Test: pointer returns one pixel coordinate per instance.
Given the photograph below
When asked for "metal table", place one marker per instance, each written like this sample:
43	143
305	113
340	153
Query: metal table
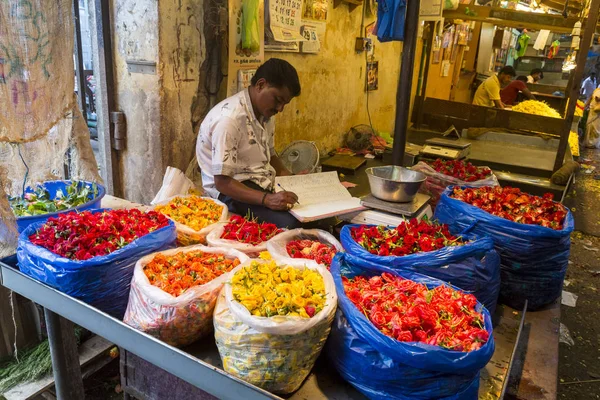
200	364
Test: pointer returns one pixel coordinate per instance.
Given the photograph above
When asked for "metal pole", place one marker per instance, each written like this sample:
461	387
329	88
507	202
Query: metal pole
105	103
65	358
79	60
405	81
584	46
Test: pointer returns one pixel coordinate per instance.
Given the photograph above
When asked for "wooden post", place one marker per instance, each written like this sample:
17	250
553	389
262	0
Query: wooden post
428	34
586	41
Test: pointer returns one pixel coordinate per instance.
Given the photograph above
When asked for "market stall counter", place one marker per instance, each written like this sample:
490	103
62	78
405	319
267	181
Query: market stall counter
200	365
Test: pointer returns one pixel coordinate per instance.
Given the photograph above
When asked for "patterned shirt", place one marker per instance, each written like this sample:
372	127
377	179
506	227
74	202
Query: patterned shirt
234	143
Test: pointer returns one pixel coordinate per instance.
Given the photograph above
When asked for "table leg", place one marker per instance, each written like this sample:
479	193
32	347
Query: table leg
65	357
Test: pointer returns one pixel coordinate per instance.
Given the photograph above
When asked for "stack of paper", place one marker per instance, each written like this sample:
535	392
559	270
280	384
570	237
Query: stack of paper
320	196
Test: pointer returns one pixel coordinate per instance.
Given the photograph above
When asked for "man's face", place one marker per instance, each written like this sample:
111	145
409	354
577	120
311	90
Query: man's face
536	77
505	79
270	100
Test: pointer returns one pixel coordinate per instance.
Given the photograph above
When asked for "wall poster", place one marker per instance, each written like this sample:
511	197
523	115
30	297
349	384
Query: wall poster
372	75
246	39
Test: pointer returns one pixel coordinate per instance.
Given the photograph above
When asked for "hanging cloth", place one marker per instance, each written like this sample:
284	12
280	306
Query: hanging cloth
554	47
391	15
522	43
542	39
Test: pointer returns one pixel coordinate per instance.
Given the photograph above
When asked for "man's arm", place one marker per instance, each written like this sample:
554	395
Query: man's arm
499	104
240	192
528	94
280	169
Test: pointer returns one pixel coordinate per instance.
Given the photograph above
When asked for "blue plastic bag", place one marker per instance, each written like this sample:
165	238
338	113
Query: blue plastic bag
53	187
533	259
102	282
384	368
391	15
473	267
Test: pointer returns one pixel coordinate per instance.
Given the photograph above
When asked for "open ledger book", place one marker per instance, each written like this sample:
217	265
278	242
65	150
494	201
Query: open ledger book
320	196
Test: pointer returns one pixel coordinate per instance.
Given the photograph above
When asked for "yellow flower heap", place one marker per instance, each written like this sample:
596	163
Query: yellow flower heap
537	108
192	211
267	290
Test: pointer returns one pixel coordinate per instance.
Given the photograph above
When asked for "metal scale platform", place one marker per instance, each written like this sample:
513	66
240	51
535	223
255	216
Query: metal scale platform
382	212
446	148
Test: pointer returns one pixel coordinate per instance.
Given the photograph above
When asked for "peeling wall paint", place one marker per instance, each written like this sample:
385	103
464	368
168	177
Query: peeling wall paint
333	97
160	108
135	38
182	52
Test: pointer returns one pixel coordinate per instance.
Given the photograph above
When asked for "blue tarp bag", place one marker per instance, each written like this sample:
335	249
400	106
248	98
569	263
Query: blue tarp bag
533	259
102	282
391	15
384	368
473	267
53	187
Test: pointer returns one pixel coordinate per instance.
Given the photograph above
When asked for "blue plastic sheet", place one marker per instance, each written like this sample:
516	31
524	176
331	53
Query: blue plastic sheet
533	259
384	368
473	267
53	187
391	15
102	282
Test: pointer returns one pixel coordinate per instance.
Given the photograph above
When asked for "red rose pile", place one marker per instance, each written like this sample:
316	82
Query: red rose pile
81	236
409	237
514	205
312	250
249	231
460	169
409	312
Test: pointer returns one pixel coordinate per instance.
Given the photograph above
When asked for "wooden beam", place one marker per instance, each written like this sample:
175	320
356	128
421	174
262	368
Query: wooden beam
589	29
470	116
513	18
560	6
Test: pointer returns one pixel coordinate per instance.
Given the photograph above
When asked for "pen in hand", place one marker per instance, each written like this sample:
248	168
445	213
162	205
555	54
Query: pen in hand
282	188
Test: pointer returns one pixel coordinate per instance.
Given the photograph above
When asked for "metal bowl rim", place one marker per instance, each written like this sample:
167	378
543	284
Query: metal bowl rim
370	173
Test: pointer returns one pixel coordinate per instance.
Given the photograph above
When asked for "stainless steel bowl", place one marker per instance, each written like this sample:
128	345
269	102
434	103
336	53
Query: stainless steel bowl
393	183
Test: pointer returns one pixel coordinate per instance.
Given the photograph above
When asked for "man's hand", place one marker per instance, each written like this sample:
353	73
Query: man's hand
281	201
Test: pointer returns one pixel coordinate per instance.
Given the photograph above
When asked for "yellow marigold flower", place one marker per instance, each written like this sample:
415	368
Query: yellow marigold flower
192	211
267	289
264	255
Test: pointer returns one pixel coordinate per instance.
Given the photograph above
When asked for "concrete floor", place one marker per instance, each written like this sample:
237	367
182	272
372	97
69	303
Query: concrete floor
579	365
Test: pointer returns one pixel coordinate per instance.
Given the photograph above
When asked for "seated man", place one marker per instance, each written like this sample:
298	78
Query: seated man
488	93
235	146
509	94
535	75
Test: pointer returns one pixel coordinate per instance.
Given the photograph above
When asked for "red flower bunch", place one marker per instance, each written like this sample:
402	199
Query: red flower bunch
514	205
409	312
409	237
311	249
460	169
249	231
81	236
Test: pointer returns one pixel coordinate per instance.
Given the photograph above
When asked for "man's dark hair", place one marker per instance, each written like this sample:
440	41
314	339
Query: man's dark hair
508	70
537	71
522	78
592	73
278	73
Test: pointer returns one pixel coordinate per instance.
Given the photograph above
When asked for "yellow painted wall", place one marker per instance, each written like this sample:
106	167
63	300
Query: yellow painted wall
333	96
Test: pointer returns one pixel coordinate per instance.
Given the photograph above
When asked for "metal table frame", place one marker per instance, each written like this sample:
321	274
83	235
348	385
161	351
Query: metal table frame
61	309
211	379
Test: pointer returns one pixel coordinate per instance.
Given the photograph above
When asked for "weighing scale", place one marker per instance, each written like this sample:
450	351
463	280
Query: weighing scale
446	148
388	213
